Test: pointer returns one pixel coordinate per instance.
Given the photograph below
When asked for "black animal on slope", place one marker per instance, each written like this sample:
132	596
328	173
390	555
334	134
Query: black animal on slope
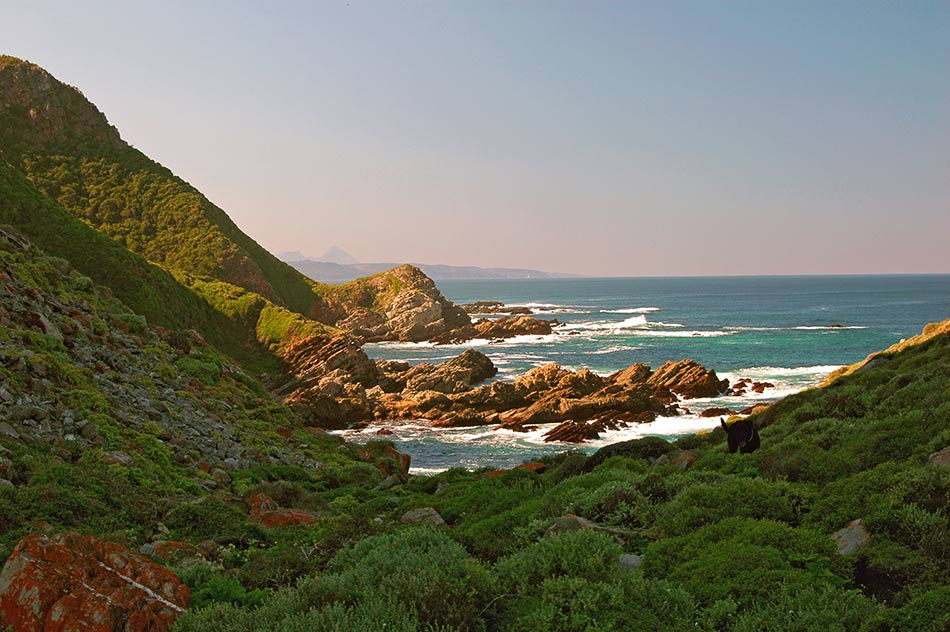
742	436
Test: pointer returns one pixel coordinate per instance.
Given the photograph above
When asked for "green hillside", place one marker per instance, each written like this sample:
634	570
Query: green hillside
238	322
734	542
67	148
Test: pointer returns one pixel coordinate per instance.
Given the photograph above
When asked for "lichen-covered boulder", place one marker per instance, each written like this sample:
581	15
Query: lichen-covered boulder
70	582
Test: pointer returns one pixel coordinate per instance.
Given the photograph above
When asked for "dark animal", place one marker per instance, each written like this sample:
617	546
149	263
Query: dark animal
742	436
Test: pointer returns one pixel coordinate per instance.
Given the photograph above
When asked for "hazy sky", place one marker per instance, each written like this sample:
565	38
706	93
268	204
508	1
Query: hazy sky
634	138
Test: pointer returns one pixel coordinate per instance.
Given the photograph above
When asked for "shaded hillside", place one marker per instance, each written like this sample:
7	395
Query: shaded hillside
67	148
227	315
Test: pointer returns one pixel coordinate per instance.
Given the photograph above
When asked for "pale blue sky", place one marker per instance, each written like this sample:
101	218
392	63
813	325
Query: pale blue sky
638	138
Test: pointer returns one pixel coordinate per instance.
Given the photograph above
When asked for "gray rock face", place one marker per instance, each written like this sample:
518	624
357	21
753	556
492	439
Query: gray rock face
423	515
941	458
630	562
852	538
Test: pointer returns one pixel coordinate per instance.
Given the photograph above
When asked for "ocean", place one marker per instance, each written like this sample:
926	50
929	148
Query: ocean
790	331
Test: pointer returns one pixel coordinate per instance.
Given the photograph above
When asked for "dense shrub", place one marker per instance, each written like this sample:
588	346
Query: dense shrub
745	560
572	581
753	498
805	610
414	578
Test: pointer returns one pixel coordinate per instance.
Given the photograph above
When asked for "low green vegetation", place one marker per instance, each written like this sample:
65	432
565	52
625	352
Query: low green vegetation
735	542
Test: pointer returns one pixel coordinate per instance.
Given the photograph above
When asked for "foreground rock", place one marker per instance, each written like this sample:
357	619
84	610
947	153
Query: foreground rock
75	582
423	515
852	538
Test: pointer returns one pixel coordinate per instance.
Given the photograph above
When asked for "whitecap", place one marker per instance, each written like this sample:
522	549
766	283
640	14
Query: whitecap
819	327
614	349
632	310
680	334
634	321
800	370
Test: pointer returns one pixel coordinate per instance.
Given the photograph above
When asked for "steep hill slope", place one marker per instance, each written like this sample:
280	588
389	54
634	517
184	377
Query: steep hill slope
238	322
68	149
71	155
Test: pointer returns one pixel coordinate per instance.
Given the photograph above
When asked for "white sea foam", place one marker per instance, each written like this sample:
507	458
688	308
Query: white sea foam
819	327
631	310
680	334
799	327
633	321
777	371
613	349
553	308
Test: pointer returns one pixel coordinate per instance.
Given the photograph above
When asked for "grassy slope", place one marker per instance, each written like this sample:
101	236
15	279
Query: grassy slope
736	542
238	322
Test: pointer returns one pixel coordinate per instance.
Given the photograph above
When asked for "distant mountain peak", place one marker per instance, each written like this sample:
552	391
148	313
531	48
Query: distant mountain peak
335	254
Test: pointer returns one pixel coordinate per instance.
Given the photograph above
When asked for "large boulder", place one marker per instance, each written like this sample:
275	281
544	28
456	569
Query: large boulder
452	376
688	379
72	582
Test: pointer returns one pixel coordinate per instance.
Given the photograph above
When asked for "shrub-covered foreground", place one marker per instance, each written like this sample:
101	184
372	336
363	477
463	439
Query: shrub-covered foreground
736	542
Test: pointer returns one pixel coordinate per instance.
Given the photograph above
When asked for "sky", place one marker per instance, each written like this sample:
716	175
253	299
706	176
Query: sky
600	138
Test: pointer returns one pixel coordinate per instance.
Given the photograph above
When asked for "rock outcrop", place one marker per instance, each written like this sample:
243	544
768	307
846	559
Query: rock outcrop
335	385
511	326
399	304
76	582
494	307
689	379
54	109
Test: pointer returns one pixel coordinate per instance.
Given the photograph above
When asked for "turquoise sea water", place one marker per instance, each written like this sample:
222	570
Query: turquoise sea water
790	331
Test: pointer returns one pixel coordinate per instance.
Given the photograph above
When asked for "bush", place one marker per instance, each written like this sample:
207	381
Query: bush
421	568
927	612
745	560
209	519
209	586
753	498
572	581
803	610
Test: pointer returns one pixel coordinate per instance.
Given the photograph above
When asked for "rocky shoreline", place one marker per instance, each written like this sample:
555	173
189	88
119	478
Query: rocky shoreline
333	384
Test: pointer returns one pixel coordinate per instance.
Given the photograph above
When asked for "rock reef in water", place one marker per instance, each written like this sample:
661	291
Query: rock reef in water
336	385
